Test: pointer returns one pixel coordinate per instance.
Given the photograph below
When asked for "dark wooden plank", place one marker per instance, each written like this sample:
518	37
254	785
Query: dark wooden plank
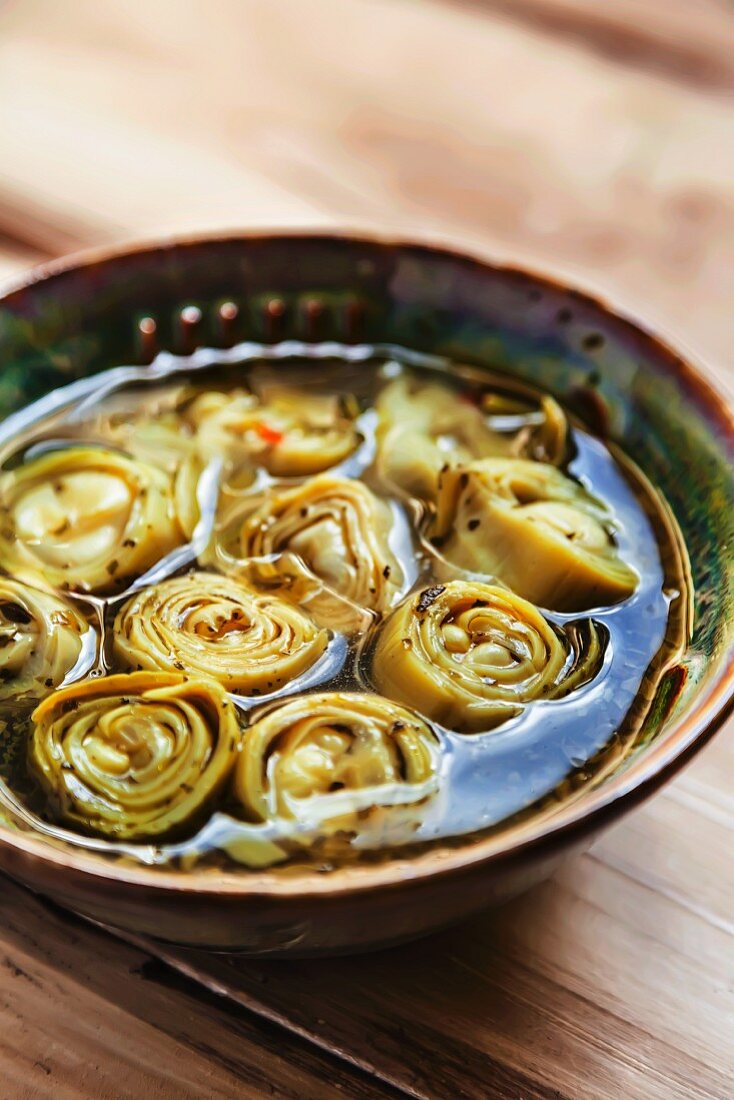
84	1015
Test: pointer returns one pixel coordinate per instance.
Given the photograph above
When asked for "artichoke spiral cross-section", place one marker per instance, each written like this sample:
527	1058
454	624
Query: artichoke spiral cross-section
471	655
290	432
339	529
215	626
134	757
528	525
85	518
325	760
41	640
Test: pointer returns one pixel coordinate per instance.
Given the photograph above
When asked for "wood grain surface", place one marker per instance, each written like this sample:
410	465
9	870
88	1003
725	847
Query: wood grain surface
594	139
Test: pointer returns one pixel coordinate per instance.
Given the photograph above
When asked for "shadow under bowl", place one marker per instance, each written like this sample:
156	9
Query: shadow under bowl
70	319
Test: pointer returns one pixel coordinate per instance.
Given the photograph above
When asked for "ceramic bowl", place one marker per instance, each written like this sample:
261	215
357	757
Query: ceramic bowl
72	318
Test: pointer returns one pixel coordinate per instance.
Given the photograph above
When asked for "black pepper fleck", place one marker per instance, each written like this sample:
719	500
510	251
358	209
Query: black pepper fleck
429	596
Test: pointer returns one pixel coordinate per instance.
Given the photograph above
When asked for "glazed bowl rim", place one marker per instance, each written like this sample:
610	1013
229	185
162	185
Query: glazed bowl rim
655	765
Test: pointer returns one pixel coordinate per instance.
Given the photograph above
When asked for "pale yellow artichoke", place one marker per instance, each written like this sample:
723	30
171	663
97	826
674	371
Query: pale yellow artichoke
424	427
531	527
165	441
216	626
338	529
467	654
325	760
292	433
41	640
134	757
85	518
548	441
539	428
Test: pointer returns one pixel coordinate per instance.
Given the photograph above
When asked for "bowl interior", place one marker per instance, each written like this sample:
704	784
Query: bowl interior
75	319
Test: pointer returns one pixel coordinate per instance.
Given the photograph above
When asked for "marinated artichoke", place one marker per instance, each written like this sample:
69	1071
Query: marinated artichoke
167	443
537	430
422	427
290	432
41	639
338	529
471	655
215	626
85	518
531	527
134	757
324	760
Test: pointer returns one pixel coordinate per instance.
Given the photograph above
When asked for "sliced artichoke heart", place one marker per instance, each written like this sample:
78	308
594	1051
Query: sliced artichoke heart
86	518
533	528
424	427
290	432
41	639
468	654
134	757
324	760
216	626
339	529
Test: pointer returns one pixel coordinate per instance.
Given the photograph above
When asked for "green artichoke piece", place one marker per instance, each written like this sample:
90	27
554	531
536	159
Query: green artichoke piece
339	529
528	525
426	427
422	428
134	757
216	626
41	639
326	760
86	518
471	655
290	432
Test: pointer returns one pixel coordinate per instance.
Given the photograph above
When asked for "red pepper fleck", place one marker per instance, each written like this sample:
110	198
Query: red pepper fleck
269	435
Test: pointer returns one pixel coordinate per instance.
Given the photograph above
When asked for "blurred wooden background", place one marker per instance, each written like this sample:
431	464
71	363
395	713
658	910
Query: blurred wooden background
595	139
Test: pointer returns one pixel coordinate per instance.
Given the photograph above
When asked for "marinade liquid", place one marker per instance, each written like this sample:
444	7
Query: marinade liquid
424	600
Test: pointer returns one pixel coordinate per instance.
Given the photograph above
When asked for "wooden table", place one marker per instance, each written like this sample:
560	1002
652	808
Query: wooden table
592	138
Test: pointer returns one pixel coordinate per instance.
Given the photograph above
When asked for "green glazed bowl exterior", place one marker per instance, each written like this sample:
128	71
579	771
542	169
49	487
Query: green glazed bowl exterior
73	318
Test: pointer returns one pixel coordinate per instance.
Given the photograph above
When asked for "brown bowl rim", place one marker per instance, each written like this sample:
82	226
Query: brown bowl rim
588	814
